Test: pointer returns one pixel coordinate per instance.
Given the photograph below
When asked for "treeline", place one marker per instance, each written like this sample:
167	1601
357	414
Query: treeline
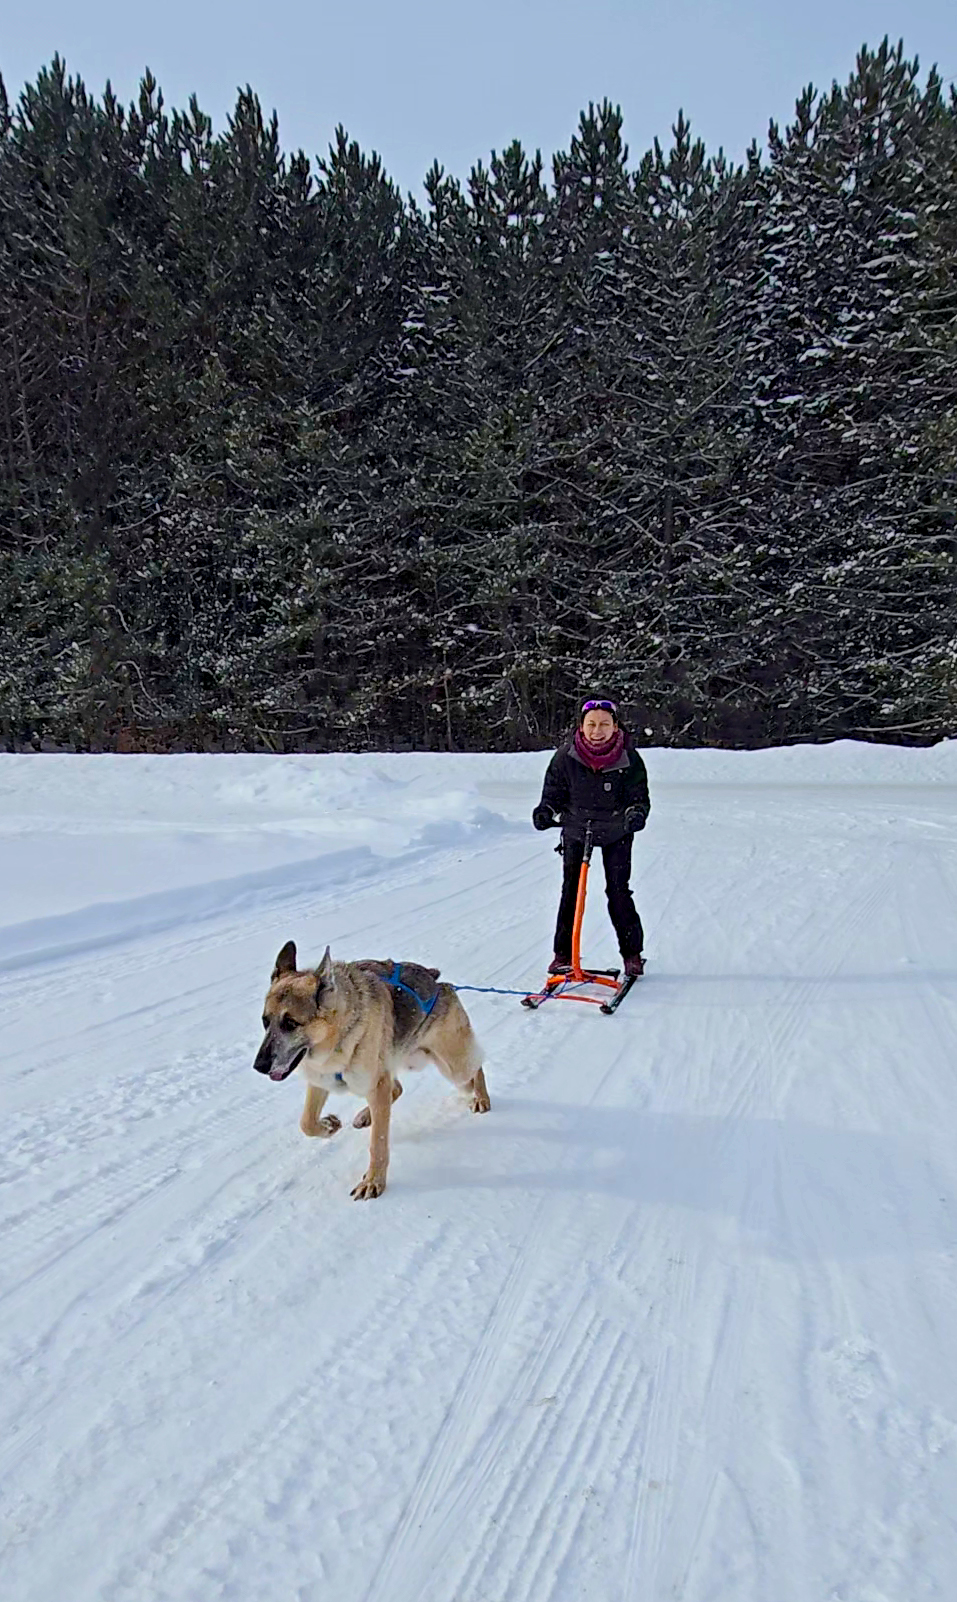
289	461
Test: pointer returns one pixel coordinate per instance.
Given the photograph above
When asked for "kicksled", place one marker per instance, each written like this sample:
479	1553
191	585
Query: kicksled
576	984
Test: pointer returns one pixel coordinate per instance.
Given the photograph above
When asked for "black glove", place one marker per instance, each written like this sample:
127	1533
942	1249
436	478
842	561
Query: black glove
635	819
543	817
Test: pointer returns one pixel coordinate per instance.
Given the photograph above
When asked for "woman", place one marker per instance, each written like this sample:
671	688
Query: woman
597	776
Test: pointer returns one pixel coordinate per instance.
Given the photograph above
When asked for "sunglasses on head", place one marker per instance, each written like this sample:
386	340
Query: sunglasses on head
599	706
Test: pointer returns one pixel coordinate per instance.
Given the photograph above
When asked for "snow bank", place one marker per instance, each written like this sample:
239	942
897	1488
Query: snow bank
197	820
387	795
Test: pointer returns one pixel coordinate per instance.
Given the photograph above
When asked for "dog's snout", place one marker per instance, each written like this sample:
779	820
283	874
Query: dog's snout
263	1061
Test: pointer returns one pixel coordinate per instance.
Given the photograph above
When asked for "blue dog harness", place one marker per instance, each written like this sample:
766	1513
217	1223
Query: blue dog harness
395	980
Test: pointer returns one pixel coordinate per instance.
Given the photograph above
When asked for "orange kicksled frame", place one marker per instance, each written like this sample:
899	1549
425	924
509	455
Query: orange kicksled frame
564	986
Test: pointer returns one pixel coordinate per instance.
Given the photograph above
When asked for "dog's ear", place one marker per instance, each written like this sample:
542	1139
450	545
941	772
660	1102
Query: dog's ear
325	977
286	960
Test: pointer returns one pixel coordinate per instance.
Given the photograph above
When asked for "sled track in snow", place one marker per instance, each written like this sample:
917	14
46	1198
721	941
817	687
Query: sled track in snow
672	1323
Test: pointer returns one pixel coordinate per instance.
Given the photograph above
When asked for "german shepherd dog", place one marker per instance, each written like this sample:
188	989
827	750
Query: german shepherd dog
352	1026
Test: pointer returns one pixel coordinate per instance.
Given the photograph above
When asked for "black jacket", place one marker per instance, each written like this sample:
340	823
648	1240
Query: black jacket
577	793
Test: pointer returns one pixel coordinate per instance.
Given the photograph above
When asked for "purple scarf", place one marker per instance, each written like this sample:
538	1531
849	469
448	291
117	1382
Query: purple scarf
599	757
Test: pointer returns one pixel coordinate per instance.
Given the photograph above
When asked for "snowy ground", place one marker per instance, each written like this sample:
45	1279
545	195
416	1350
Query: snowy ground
676	1320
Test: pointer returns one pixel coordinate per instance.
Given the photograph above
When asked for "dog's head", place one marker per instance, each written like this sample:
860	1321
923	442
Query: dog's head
299	1014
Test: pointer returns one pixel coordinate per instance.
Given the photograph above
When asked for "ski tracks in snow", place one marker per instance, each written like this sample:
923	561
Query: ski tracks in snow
632	1337
538	1426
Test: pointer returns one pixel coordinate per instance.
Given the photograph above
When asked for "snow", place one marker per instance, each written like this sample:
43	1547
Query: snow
675	1320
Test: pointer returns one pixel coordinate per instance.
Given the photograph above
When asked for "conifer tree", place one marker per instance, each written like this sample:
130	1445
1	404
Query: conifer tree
288	460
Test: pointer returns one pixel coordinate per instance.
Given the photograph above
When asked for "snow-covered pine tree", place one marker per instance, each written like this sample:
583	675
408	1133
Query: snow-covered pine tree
848	568
666	325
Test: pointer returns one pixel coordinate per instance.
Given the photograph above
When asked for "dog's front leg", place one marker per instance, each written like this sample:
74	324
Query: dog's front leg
363	1117
310	1123
380	1109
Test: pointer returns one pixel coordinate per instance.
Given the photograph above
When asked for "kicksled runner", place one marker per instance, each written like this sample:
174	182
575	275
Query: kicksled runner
570	986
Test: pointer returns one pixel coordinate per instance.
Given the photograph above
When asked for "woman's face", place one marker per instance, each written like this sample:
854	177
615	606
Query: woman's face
598	727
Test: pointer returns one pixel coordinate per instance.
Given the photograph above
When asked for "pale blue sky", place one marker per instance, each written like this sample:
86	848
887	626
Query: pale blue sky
421	79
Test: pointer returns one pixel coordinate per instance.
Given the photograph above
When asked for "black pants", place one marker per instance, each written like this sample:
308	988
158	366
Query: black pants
621	905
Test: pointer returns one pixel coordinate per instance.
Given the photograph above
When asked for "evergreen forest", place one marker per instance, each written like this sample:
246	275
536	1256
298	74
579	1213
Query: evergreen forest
289	461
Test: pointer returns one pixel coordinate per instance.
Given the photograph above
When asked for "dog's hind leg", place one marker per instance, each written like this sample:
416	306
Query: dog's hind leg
310	1123
467	1076
372	1182
363	1117
452	1045
480	1101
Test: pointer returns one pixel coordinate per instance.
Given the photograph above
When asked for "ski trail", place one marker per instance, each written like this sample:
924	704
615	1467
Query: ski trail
671	1325
467	1450
668	1528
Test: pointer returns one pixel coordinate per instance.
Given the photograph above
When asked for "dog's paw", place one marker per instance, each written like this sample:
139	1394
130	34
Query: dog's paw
368	1187
330	1125
480	1101
362	1119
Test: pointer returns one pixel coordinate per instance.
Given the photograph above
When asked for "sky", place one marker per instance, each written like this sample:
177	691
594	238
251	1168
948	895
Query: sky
419	80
